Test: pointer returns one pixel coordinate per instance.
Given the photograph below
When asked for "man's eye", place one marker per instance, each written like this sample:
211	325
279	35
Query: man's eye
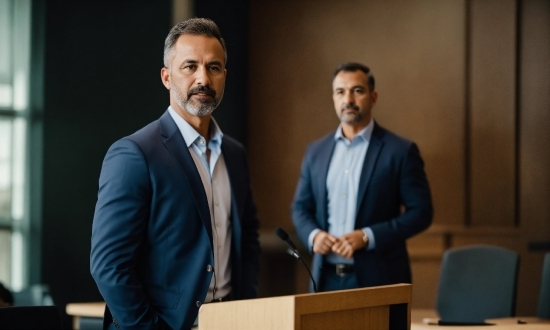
215	68
189	67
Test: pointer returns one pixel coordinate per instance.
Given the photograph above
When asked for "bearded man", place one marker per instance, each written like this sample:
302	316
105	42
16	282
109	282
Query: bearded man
175	225
362	192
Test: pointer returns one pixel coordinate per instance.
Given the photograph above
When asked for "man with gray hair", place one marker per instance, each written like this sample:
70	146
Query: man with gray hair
175	225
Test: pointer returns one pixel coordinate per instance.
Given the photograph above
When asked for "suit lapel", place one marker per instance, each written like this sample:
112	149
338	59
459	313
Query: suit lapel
373	151
176	146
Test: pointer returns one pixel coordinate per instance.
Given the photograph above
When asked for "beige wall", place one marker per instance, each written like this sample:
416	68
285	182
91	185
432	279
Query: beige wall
466	80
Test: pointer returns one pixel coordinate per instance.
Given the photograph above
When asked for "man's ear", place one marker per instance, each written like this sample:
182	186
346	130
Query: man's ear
165	77
374	97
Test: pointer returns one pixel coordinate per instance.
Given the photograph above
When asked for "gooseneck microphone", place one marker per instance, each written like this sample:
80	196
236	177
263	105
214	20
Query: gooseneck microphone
284	236
293	251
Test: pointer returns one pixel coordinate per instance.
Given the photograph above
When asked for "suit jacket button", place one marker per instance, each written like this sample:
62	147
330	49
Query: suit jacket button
209	268
198	304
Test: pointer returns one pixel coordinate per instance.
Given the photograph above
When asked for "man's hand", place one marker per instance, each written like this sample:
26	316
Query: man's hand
347	244
323	242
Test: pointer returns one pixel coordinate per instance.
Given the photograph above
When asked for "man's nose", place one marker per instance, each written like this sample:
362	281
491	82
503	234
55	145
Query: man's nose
202	77
348	98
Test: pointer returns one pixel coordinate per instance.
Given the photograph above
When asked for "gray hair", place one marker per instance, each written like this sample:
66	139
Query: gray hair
193	26
351	67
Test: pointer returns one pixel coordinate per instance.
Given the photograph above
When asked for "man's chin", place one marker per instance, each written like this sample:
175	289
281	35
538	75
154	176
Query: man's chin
349	119
199	111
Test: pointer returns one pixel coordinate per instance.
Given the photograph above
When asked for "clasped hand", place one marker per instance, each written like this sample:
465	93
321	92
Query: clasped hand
344	246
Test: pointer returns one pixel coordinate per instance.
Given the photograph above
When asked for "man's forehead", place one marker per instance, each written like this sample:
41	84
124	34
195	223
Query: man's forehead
188	44
350	78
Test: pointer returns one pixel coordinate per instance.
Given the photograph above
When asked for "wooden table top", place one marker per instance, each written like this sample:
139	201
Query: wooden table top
426	319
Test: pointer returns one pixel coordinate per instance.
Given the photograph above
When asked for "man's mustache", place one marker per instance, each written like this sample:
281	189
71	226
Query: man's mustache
350	106
201	89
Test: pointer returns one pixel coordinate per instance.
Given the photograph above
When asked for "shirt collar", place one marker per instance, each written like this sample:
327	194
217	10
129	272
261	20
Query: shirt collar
190	135
364	134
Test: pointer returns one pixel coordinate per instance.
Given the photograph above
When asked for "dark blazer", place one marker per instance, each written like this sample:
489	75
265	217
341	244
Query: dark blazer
392	175
152	235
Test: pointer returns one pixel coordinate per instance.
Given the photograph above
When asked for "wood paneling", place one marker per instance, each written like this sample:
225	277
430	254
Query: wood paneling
534	155
416	52
535	119
448	77
493	112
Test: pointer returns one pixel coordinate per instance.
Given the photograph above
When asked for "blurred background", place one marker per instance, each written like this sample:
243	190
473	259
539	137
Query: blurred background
468	80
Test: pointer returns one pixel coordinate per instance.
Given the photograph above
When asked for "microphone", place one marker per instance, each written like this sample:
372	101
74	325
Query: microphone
293	251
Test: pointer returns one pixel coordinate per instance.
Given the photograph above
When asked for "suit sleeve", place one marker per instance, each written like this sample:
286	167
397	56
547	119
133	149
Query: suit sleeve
304	206
414	194
120	219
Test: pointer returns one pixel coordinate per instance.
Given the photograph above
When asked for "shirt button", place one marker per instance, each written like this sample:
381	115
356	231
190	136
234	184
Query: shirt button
219	246
217	224
343	221
209	268
346	171
201	141
344	196
199	304
217	203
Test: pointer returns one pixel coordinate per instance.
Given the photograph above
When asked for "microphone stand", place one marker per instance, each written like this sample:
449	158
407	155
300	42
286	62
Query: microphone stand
309	272
294	252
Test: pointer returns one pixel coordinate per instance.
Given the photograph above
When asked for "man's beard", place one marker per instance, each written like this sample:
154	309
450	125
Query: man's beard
350	119
205	107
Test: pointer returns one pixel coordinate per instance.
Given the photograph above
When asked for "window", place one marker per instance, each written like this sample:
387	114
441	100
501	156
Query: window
15	33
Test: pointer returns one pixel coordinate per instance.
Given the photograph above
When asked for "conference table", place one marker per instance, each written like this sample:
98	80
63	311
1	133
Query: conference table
421	319
85	309
426	319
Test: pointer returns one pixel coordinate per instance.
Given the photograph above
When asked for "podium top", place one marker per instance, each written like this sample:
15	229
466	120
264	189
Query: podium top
350	309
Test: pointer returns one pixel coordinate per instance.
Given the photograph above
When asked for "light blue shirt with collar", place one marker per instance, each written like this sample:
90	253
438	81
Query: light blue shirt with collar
342	183
197	143
215	180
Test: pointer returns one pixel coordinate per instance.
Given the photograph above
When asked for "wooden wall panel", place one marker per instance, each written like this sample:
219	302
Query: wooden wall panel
416	52
535	119
423	59
425	274
534	132
493	112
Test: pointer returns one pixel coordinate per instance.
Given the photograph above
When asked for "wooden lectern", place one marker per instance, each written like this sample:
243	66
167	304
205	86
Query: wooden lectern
365	308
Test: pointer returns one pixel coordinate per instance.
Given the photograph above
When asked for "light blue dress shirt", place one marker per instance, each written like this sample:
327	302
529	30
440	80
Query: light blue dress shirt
197	143
343	177
215	180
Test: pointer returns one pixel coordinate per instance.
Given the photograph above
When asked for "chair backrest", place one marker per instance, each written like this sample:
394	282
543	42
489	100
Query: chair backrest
30	317
544	296
477	282
33	295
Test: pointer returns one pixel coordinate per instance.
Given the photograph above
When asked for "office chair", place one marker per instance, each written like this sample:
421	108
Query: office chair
30	318
477	282
90	323
544	296
33	295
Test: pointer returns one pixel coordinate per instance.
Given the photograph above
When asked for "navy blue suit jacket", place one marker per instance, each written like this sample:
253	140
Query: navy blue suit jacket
392	175
152	235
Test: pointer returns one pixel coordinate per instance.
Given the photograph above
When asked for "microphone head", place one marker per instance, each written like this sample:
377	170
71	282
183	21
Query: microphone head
281	233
